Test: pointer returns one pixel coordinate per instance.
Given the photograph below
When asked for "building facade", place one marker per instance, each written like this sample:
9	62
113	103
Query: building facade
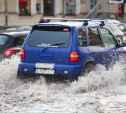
28	12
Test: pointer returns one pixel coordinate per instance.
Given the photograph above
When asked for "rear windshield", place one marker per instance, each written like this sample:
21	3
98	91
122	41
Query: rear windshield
50	37
3	39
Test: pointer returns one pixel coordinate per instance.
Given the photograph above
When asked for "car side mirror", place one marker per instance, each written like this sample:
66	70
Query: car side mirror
120	43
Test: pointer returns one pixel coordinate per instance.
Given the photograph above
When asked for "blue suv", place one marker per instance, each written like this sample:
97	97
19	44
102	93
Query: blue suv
68	48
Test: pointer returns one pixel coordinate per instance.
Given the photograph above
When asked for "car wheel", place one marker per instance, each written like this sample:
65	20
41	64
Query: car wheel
22	76
87	68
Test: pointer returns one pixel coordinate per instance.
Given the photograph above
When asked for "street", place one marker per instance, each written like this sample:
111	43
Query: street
57	39
100	92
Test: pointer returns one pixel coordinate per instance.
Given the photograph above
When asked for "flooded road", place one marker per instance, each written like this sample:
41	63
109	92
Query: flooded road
100	92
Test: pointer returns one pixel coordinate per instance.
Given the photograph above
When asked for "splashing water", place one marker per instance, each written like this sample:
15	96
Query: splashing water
100	78
26	96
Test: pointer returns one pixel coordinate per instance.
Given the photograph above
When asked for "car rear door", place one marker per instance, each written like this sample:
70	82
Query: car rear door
96	47
49	44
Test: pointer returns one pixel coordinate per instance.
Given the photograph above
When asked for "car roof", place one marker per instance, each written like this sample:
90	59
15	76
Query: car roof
15	34
70	24
20	28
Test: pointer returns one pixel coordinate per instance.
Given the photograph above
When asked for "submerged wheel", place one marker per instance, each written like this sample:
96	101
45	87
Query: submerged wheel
21	76
87	68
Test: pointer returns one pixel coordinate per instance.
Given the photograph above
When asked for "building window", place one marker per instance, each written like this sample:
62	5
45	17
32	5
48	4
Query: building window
70	7
48	7
24	7
92	3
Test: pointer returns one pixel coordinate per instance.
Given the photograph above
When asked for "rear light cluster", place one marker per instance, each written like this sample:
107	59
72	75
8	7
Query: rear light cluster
22	54
74	57
9	52
66	29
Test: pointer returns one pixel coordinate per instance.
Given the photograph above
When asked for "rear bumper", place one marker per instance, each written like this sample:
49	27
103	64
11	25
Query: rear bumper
60	69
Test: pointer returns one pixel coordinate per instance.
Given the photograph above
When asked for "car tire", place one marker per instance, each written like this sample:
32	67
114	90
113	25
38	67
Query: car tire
21	76
88	67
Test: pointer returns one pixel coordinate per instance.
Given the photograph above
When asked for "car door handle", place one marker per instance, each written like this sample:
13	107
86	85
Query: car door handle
46	55
93	52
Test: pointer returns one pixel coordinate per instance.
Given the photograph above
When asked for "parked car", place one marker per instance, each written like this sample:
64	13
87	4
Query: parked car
113	21
122	27
21	28
115	30
11	40
12	51
11	29
68	49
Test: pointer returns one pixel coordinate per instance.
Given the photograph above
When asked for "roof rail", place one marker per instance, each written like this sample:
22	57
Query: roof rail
65	20
102	21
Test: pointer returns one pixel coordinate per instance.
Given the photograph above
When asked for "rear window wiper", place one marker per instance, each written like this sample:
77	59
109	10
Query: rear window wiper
52	45
57	44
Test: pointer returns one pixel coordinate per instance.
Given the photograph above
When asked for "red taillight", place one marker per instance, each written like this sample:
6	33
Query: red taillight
22	54
9	52
74	57
66	29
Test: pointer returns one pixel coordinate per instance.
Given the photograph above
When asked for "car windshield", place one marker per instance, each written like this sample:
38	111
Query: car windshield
3	39
50	37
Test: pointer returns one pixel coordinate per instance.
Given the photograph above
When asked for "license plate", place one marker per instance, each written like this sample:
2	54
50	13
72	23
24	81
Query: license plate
44	71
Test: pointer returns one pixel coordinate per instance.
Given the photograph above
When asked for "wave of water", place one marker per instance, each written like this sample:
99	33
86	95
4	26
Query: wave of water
19	95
